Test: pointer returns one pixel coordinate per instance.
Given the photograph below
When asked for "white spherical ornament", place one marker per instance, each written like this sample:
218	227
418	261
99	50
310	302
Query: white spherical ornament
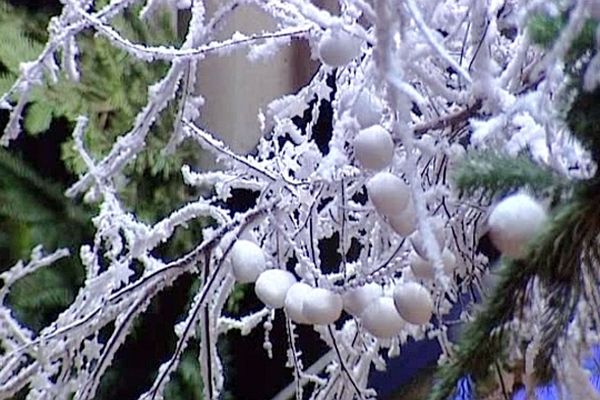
423	269
514	222
381	319
272	286
247	260
374	147
322	306
388	193
405	223
357	299
413	302
294	301
420	267
338	48
367	109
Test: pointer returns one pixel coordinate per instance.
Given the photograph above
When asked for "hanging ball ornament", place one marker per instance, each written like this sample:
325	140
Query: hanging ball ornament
294	300
388	193
247	261
405	223
357	299
514	222
381	319
272	285
424	269
338	48
322	306
367	109
374	147
413	302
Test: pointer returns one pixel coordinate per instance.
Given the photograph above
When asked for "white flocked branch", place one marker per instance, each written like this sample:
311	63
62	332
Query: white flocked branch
415	83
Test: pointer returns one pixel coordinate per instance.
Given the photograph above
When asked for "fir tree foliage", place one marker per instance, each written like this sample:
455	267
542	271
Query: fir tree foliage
34	210
494	173
561	268
111	91
544	30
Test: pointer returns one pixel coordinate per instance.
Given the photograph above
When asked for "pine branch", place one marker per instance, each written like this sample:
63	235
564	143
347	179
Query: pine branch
558	260
584	121
483	342
555	258
495	173
15	173
545	29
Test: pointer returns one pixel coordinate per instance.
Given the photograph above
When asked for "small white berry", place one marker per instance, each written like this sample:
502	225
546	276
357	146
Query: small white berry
322	306
381	319
338	48
388	193
294	300
514	222
374	147
357	299
413	302
247	260
272	285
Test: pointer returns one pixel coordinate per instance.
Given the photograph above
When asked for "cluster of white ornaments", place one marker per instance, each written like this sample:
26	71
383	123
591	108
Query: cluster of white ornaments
380	315
373	147
390	196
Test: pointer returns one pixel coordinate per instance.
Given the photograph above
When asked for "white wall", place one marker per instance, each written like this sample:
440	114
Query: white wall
235	88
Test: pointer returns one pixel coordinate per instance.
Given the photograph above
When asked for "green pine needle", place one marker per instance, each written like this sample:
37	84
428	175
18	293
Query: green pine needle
495	173
584	121
554	256
38	117
483	340
544	30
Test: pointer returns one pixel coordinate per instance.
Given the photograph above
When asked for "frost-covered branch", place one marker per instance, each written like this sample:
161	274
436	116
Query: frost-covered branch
404	90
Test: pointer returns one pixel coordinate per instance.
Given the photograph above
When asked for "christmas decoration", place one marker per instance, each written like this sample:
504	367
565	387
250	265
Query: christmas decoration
374	148
477	99
514	222
405	223
338	47
388	193
357	299
294	301
322	306
272	286
381	319
367	108
413	302
424	269
247	261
